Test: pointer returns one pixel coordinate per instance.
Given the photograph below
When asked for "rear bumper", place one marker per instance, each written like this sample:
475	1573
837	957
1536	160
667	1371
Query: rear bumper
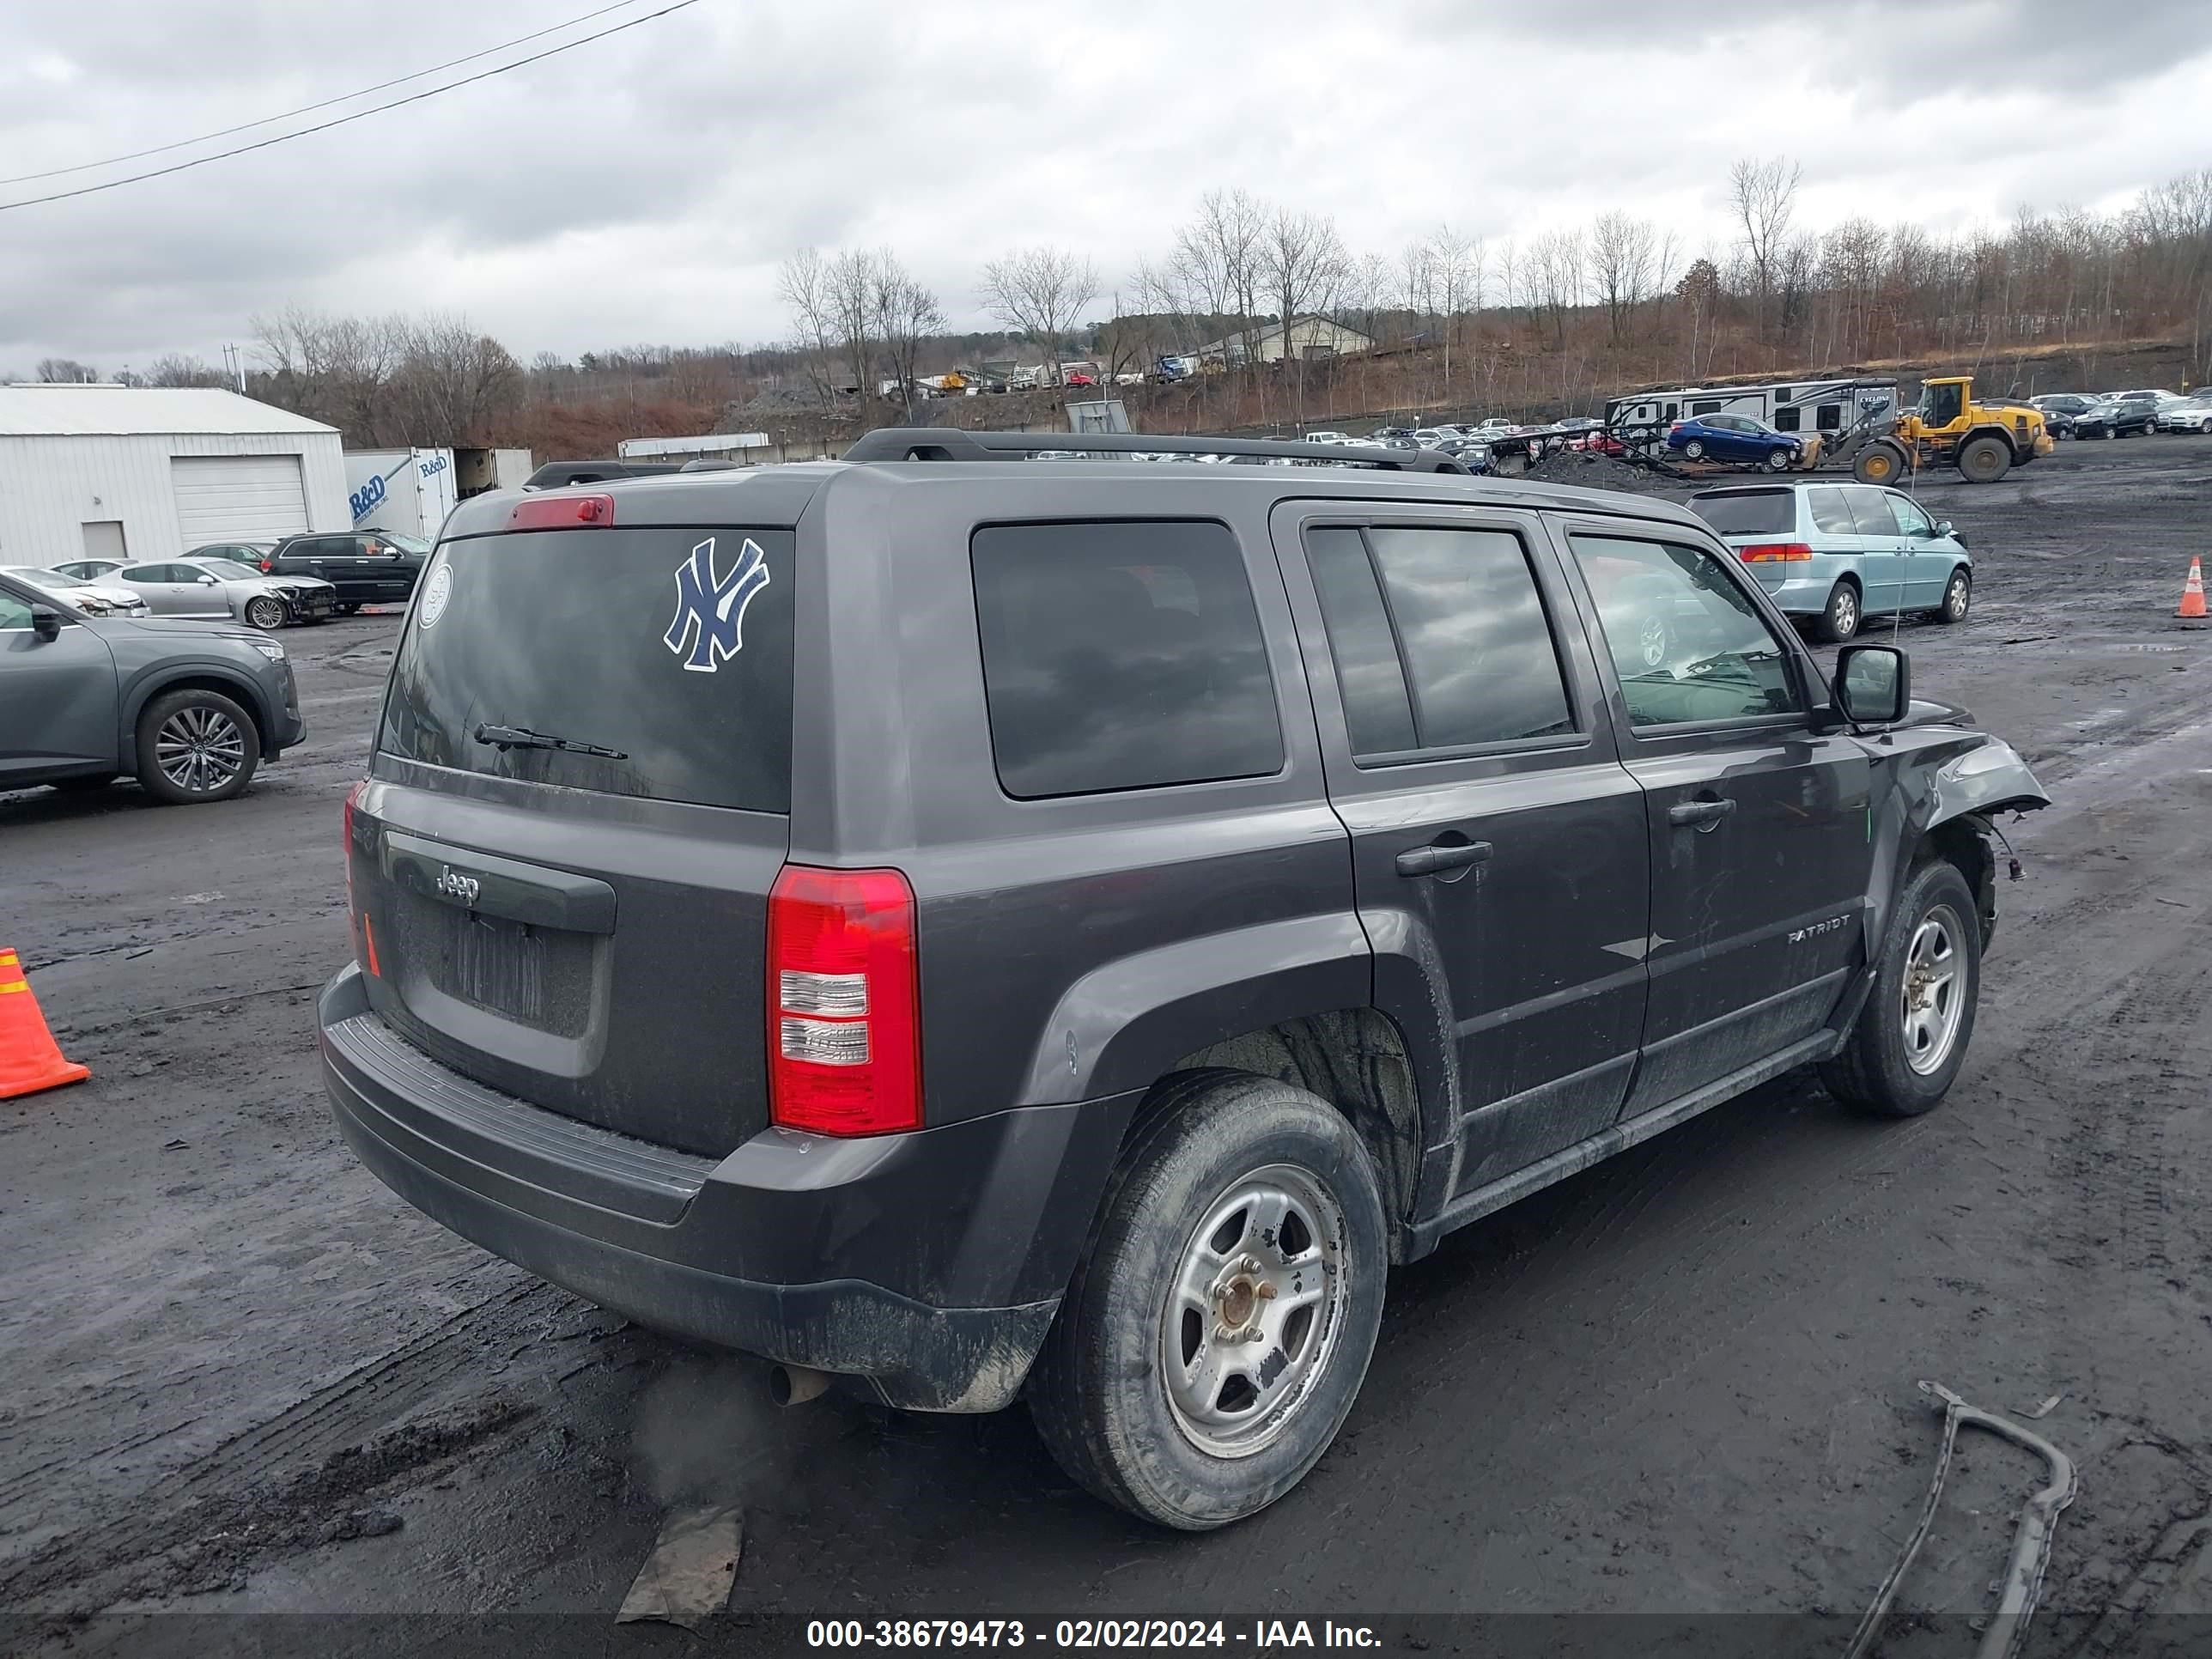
929	1265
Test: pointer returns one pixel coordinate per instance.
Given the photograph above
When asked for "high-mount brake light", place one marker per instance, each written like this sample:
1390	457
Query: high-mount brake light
563	513
844	1029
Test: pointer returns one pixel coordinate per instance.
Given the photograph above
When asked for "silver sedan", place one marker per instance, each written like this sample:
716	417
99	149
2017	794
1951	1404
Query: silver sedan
225	588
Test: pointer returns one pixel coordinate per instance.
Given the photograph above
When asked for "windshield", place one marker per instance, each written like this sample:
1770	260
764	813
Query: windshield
45	578
1748	512
666	650
406	544
229	571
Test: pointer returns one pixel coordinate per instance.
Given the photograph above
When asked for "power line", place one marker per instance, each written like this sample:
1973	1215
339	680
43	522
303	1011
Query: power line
309	109
324	126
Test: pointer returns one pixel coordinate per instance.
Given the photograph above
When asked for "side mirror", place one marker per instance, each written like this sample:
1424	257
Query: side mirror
1942	529
45	622
207	580
1873	685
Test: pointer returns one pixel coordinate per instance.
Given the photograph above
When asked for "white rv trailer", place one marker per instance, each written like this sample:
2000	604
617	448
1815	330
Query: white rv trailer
1826	406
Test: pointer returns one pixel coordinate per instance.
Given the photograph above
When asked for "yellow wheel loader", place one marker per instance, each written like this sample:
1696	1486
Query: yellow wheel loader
1948	428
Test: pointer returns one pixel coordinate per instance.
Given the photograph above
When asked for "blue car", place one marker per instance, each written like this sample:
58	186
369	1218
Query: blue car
1736	438
1838	555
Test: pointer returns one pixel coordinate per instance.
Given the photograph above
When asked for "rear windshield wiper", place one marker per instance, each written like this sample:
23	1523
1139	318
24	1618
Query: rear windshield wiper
504	738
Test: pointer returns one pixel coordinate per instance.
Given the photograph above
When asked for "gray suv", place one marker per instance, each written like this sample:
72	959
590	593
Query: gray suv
192	709
972	928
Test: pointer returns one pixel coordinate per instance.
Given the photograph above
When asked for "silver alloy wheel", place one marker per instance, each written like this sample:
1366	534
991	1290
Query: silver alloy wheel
1651	641
1846	612
1933	997
265	612
1954	599
1253	1310
199	749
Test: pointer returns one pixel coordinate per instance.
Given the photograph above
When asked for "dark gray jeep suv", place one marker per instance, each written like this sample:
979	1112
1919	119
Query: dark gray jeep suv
975	927
191	708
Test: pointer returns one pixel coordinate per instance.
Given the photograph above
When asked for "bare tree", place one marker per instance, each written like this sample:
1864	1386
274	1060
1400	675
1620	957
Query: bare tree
1456	268
1306	265
906	313
1041	291
1623	252
181	370
802	282
65	371
454	384
1553	274
851	284
1218	257
1763	195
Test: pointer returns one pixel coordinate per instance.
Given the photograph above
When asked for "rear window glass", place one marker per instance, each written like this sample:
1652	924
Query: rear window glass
1748	512
1122	655
671	648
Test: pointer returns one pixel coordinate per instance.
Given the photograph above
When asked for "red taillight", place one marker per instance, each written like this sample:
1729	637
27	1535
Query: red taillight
844	1031
563	513
1776	553
268	565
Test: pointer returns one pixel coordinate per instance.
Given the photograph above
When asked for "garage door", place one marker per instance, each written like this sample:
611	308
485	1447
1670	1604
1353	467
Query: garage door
238	498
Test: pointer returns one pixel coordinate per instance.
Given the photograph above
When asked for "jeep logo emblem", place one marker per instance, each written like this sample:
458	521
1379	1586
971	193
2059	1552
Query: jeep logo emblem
454	885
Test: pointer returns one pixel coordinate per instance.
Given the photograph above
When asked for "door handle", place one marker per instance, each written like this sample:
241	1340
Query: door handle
1443	855
1700	814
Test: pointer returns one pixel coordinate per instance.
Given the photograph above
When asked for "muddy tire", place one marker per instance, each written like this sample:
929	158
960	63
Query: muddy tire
1878	464
194	747
1211	1344
1984	459
1958	596
1839	618
1912	1036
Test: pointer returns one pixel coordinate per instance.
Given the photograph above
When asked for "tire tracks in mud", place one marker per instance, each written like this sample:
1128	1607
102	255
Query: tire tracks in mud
337	1444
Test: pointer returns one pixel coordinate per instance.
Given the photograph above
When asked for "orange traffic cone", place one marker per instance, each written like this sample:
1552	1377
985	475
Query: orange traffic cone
2192	591
28	1060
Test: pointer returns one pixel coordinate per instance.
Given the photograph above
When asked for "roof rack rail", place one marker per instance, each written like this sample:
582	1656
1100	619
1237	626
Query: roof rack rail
929	443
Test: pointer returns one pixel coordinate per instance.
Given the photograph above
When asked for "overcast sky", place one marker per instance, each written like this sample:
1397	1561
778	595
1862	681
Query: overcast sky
643	189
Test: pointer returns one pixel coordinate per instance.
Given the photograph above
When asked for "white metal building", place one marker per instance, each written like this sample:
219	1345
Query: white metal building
142	472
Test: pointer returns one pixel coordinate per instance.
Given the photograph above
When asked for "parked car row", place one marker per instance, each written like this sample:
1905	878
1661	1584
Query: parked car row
203	586
2124	414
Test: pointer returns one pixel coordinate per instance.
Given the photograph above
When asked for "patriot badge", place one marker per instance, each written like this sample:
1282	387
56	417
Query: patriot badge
710	611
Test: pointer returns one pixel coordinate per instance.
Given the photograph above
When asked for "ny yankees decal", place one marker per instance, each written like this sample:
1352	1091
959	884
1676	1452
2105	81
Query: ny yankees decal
710	612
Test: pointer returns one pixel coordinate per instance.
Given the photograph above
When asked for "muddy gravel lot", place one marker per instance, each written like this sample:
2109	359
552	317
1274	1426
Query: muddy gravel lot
239	1377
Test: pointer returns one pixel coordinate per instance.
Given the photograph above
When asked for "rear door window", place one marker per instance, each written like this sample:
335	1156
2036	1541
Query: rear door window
1748	512
668	648
1870	511
1439	636
1832	514
1121	655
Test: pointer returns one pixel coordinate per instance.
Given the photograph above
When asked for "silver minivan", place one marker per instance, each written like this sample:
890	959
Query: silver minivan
1841	553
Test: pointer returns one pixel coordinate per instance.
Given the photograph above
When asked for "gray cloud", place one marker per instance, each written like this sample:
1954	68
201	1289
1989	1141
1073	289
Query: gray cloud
643	188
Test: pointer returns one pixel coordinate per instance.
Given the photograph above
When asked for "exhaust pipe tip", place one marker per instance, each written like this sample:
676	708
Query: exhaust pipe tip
794	1385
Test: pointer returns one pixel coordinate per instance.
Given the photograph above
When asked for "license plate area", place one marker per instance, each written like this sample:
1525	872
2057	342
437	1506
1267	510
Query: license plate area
541	977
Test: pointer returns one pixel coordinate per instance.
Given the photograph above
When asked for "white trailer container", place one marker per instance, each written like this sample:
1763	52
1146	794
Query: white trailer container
476	471
407	490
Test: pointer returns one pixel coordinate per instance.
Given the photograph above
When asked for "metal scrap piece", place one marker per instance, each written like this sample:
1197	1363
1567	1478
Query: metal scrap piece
689	1573
2023	1584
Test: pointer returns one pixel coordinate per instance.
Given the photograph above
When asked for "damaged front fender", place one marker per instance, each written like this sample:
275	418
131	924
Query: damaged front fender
1990	777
